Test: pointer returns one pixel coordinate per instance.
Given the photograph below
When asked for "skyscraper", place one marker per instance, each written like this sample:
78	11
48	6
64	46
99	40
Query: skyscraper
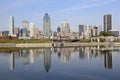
107	22
46	26
25	28
58	29
11	26
33	30
65	26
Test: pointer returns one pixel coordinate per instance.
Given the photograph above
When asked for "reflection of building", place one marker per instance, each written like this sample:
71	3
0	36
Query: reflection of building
32	58
65	56
12	62
25	55
81	53
47	59
108	60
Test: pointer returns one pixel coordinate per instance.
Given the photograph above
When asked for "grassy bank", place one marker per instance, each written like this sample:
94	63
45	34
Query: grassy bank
17	49
26	41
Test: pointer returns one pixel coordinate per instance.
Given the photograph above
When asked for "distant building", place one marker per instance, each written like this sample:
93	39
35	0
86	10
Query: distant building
58	29
46	26
16	31
33	30
65	26
94	31
25	29
84	31
107	22
115	33
11	26
4	33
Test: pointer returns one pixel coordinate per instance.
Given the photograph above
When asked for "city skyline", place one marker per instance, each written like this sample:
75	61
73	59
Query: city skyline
81	12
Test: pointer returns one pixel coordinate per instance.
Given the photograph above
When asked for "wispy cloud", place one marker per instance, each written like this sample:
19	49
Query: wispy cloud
88	4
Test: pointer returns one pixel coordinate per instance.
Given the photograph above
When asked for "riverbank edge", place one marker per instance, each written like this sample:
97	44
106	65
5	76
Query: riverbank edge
65	44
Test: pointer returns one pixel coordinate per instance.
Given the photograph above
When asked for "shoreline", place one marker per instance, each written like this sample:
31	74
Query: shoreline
65	44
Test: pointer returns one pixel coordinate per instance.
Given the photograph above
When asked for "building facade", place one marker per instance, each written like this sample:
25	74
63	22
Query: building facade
107	22
11	26
94	31
65	26
33	30
84	31
47	26
25	29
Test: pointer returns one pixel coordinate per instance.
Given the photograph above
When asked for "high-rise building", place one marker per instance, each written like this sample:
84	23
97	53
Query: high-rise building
16	31
25	29
94	31
81	29
11	26
46	26
85	31
107	22
65	26
33	30
58	29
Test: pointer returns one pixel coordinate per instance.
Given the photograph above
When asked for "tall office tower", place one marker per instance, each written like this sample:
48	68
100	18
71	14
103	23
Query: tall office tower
11	26
58	29
65	26
107	22
33	30
16	31
46	26
85	31
94	31
25	28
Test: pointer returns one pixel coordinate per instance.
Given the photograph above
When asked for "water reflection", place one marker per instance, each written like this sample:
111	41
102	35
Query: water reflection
64	54
47	59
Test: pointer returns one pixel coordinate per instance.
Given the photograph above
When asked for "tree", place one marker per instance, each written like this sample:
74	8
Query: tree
103	33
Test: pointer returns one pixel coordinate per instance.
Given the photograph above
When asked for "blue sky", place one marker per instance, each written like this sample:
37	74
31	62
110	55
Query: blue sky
75	11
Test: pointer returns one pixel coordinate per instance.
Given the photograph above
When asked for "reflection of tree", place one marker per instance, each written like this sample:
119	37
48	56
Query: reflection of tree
47	59
107	59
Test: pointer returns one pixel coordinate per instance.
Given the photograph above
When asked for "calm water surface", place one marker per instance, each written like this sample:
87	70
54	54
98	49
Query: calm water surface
81	63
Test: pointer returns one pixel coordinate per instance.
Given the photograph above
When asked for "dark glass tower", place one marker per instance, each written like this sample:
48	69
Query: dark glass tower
46	26
107	22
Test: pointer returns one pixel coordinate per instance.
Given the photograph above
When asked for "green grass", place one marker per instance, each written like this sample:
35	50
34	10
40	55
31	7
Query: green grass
17	49
26	41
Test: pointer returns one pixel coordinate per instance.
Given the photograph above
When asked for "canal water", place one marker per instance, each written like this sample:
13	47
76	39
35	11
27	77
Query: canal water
76	63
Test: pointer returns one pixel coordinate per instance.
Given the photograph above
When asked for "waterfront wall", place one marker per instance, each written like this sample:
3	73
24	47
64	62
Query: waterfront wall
55	44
